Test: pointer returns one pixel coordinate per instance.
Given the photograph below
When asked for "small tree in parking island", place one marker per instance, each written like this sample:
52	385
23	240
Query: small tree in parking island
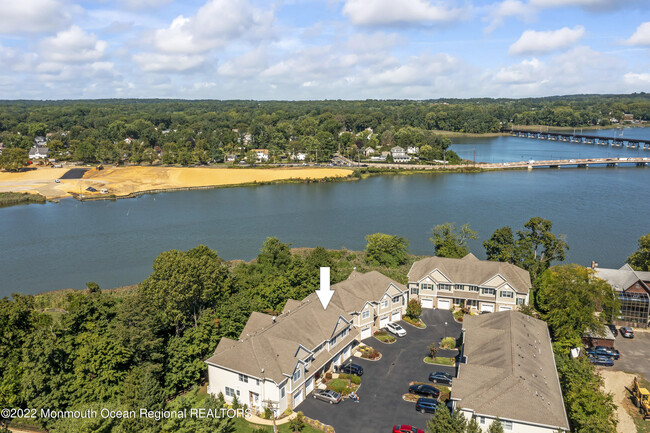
433	349
414	309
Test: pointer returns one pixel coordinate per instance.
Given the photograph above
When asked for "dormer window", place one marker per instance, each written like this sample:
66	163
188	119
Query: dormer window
296	375
365	314
384	303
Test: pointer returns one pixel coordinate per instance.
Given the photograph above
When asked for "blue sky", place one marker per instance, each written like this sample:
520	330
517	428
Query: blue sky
322	49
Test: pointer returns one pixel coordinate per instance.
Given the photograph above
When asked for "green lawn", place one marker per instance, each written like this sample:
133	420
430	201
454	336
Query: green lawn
439	360
243	426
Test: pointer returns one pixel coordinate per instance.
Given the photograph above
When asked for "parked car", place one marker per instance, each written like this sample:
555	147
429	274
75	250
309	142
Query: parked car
424	405
394	328
440	377
351	369
627	332
604	351
602	360
425	390
404	428
331	397
613	329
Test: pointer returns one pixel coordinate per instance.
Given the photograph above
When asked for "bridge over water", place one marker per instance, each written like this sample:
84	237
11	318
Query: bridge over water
632	143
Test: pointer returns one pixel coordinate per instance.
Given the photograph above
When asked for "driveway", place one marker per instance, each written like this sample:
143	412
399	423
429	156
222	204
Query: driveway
635	353
383	382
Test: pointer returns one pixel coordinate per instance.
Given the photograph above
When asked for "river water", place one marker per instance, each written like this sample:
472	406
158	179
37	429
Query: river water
602	211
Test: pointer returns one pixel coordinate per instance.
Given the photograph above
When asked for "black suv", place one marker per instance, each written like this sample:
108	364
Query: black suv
425	390
351	369
424	405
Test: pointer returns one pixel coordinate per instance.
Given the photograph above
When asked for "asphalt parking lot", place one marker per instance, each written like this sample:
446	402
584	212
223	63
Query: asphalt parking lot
383	382
635	353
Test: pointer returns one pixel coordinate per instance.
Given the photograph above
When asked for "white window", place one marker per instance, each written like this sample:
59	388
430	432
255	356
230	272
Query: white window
425	286
445	287
396	299
521	301
506	294
384	303
365	314
486	291
481	420
243	378
414	290
296	375
507	425
282	392
230	392
460	287
473	288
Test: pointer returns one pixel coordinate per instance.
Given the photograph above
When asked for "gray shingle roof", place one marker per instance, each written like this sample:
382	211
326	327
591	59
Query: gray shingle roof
510	370
622	278
471	270
273	345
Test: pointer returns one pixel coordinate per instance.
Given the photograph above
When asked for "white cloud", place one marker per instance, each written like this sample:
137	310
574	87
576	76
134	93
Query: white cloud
248	64
417	70
73	45
387	12
637	79
142	4
32	16
498	12
582	3
532	42
527	72
641	36
158	62
215	24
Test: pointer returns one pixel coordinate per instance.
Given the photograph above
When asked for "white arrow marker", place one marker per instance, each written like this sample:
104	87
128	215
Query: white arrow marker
325	293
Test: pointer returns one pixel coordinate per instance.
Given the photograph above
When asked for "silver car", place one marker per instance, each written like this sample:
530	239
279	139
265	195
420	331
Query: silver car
327	395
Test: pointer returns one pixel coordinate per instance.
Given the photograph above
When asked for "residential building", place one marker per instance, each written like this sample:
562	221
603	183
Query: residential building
508	371
412	150
399	155
262	154
633	290
280	358
481	285
230	158
299	156
40	141
368	151
38	152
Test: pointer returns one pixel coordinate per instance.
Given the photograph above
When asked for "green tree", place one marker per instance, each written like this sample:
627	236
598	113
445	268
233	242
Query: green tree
444	422
448	241
426	153
84	152
209	424
413	309
274	254
501	246
386	250
473	427
183	284
298	423
640	259
496	426
13	159
568	297
538	247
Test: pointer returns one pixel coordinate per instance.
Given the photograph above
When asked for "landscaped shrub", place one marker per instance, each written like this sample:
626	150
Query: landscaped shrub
260	430
413	309
268	413
328	375
338	385
433	349
448	343
298	423
355	379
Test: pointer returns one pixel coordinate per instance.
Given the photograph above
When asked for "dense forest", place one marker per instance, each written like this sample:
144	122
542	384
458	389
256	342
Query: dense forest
197	132
145	346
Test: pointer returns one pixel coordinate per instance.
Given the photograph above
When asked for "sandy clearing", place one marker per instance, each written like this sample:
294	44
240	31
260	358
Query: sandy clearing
121	181
616	383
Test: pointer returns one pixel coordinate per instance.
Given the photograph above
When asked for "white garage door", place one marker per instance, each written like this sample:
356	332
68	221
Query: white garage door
426	303
397	315
383	321
487	307
444	304
504	308
365	332
297	398
346	352
309	385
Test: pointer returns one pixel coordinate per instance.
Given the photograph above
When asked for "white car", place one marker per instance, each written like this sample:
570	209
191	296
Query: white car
395	329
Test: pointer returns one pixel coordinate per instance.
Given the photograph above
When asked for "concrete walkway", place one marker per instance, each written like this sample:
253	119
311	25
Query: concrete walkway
261	421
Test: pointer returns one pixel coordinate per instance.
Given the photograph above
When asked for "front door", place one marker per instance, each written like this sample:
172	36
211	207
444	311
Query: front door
254	399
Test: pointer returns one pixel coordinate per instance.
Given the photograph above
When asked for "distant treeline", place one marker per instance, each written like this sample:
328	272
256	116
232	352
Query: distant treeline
187	132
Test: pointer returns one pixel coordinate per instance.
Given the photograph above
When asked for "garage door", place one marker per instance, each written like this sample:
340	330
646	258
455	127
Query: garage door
487	307
383	321
346	352
309	385
365	333
426	303
297	398
397	315
444	304
504	308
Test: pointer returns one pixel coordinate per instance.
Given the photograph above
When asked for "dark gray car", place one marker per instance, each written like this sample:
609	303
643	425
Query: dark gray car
327	395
